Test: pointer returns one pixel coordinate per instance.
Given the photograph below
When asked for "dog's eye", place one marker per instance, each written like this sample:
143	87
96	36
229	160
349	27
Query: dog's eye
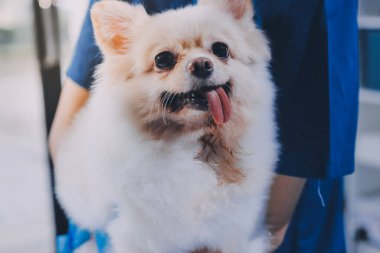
165	60
221	50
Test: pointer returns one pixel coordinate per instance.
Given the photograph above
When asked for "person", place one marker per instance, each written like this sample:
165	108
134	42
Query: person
315	67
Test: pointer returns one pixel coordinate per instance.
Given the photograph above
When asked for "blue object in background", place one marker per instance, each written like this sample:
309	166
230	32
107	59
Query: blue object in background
102	241
370	61
76	237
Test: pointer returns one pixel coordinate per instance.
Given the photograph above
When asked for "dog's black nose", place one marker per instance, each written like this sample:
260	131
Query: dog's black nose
201	67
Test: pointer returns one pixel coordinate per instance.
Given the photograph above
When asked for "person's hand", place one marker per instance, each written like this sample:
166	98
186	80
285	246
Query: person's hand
277	238
284	195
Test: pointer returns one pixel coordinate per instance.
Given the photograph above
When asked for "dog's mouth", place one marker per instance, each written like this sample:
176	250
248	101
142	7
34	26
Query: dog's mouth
215	99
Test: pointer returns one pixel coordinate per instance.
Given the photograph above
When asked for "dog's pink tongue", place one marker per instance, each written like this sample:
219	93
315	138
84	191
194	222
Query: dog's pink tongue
220	105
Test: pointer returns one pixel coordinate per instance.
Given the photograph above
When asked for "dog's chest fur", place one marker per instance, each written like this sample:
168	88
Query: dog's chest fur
191	193
220	157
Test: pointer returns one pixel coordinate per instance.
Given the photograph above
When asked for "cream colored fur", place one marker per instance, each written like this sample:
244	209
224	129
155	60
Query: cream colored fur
148	191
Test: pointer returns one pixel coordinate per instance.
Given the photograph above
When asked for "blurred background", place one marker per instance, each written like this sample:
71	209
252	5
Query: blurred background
36	41
26	209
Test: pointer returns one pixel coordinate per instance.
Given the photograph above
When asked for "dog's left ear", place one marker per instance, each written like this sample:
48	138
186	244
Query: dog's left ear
116	25
239	9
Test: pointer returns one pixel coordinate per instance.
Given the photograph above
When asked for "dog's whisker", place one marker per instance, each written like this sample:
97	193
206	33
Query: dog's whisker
166	100
172	98
163	101
166	104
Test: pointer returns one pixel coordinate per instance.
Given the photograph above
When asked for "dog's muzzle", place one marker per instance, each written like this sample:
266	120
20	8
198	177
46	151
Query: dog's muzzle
208	98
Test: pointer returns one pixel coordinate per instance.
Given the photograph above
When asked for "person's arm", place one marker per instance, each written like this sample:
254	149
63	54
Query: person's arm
80	78
283	198
72	99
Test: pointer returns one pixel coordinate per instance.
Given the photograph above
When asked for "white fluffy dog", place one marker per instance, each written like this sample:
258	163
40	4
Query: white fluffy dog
175	149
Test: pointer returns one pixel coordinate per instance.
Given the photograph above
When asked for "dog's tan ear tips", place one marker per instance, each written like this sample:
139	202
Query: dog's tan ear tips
237	8
114	23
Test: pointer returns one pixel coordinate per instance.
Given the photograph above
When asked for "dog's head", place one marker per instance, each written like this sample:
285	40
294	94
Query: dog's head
185	70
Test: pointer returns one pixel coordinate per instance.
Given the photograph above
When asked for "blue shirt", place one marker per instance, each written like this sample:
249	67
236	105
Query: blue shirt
315	66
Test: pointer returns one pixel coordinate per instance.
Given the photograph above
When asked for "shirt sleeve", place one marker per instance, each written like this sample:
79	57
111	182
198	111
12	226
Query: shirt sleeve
86	55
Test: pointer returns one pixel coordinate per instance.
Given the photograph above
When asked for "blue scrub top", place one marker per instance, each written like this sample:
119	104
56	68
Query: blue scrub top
315	67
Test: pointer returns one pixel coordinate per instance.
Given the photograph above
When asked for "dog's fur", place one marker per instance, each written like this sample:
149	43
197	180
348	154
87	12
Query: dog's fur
168	182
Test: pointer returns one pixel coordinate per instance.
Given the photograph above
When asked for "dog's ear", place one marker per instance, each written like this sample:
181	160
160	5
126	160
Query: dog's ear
239	9
116	25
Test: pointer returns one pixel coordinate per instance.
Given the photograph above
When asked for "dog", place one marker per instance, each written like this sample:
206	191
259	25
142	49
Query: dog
174	151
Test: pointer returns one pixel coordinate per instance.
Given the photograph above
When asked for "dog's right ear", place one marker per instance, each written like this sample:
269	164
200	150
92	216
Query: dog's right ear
116	25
